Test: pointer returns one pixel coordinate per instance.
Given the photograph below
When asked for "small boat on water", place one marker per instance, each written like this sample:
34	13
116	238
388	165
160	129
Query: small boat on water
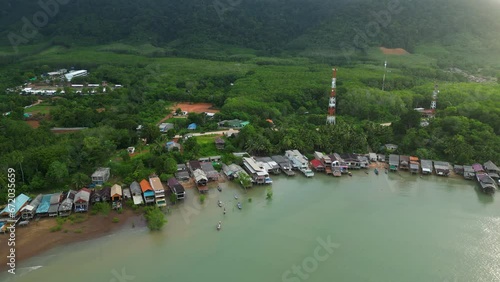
224	210
219	225
239	205
376	171
349	173
236	197
218	188
219	203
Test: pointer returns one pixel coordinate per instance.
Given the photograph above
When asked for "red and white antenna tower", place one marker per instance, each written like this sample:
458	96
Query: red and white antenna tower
332	104
434	100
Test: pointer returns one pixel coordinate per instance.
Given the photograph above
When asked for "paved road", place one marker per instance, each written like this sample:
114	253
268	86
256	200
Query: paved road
221	132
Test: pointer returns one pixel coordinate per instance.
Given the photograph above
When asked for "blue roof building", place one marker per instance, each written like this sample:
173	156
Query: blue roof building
43	207
19	202
192	126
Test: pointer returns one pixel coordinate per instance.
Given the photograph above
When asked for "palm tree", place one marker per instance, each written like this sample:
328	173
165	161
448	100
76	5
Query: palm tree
80	180
17	157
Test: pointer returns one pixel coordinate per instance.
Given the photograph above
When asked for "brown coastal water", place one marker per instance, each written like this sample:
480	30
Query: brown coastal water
394	227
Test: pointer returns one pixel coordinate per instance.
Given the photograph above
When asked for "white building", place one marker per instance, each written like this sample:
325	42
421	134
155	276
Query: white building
70	75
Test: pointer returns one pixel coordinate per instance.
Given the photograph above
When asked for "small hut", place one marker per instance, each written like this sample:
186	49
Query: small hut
116	196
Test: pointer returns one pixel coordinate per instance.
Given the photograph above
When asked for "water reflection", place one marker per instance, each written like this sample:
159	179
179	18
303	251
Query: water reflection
482	197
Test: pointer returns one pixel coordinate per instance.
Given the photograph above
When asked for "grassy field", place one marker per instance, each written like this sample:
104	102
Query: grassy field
40	108
207	145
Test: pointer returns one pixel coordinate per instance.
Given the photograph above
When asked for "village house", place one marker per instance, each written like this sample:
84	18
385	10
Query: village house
363	160
28	211
339	166
201	180
284	163
478	168
220	143
116	196
258	173
393	162
404	162
101	175
269	164
100	195
82	200
234	123
66	206
43	207
426	166
159	190
176	188
299	162
126	194
492	170
210	172
458	169
469	173
325	161
19	203
172	145
442	168
164	127
192	166
317	165
351	160
414	165
147	192
55	199
135	189
232	171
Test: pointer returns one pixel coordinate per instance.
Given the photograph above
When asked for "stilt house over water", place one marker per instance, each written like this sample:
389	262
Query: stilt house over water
393	162
492	170
426	166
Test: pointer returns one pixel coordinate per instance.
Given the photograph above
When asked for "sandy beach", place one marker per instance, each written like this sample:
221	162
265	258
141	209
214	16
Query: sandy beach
37	237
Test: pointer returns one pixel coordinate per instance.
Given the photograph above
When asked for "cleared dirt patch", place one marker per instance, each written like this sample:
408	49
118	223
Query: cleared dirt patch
33	123
196	107
394	51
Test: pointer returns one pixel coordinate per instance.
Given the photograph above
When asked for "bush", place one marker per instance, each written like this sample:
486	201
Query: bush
79	230
269	194
56	228
60	220
155	218
115	220
249	200
164	177
173	198
102	208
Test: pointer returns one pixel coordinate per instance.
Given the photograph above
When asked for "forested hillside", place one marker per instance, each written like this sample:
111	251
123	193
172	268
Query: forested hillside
323	29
